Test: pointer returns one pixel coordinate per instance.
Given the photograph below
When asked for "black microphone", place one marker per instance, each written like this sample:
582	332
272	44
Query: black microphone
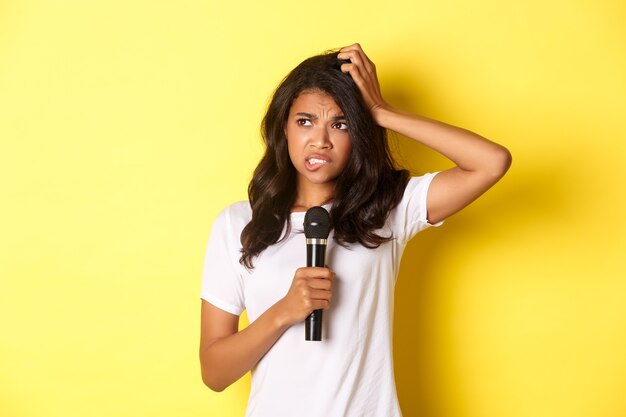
316	230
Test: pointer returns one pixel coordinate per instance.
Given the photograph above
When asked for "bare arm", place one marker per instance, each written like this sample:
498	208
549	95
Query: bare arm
480	163
226	354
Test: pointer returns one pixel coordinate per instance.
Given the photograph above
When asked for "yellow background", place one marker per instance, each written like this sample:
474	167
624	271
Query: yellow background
125	127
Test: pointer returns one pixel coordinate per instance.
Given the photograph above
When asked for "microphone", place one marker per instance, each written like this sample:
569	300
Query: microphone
316	230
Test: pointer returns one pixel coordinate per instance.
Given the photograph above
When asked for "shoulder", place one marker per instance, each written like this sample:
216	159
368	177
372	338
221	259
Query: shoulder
234	217
410	216
417	184
239	209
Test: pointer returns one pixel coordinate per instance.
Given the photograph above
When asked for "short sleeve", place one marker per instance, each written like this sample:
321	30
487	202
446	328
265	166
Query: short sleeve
411	215
222	281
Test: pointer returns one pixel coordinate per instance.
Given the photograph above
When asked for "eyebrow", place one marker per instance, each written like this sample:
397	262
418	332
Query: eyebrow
313	117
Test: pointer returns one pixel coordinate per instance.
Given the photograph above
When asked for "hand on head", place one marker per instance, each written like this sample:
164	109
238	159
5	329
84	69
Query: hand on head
363	72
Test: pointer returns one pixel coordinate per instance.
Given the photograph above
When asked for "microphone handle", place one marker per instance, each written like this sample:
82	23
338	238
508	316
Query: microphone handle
315	256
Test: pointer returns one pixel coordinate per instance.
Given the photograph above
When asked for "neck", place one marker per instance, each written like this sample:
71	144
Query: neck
310	195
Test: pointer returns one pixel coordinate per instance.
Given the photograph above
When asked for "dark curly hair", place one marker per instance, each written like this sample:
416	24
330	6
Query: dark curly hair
368	188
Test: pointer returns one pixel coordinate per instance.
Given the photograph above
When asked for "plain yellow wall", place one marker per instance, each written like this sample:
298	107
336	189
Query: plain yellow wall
125	127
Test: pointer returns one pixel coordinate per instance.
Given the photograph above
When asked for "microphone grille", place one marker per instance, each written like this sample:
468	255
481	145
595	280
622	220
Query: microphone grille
316	223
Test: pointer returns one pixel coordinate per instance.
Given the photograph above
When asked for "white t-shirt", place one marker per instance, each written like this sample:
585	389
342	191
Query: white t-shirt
350	372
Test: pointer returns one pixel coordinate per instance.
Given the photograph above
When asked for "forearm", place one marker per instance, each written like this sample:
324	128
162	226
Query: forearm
230	354
228	359
469	151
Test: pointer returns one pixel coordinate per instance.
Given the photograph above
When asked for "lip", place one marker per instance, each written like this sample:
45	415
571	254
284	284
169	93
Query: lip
315	167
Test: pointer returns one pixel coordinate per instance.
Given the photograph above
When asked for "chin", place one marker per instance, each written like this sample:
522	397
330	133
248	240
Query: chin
319	179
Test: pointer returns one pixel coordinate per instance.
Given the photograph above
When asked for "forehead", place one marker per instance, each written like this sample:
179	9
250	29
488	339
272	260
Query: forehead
314	100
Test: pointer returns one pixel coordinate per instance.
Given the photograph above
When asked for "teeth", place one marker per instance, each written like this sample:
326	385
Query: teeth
314	161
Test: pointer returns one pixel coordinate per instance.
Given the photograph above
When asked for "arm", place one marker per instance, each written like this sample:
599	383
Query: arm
480	163
226	354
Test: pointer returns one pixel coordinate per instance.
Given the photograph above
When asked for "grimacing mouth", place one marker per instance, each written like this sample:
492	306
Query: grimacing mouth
315	160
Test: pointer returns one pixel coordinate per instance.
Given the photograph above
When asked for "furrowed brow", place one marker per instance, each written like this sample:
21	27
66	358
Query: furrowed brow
313	117
307	115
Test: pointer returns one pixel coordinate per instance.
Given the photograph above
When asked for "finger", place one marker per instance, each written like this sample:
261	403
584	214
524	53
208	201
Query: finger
352	55
331	274
320	295
319	305
360	61
315	272
355	54
320	284
355	73
354	46
321	272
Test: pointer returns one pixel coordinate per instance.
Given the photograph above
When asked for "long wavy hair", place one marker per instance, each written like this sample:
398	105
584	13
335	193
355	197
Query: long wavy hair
367	189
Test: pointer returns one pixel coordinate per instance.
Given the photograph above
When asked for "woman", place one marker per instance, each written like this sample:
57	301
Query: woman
326	145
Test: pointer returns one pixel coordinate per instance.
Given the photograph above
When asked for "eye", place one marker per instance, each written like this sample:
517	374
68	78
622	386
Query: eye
304	122
340	126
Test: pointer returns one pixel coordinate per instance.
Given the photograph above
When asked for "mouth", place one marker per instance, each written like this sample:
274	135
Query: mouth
315	162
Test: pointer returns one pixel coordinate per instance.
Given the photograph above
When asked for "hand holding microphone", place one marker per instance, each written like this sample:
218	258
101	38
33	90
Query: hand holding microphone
311	288
316	230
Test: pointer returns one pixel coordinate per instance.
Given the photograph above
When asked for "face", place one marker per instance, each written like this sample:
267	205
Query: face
317	137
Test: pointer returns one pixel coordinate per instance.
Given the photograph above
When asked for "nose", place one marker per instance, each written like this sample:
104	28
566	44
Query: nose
321	139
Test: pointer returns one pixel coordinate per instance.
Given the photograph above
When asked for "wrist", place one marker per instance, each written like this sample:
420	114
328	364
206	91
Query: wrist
382	114
280	317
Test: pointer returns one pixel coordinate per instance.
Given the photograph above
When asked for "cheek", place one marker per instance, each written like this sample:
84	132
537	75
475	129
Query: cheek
293	149
346	150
